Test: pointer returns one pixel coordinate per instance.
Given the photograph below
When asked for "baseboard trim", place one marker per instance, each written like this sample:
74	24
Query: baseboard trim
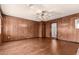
62	40
19	39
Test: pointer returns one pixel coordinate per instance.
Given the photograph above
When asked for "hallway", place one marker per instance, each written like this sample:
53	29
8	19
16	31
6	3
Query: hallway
39	46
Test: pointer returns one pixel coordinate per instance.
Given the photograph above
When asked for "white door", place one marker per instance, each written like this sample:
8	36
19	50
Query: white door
54	29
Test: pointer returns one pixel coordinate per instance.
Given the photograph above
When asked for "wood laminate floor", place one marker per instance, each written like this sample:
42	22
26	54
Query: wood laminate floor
39	46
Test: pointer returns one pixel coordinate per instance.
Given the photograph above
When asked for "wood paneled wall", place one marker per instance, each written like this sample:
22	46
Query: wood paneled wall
66	28
48	27
42	29
15	28
0	29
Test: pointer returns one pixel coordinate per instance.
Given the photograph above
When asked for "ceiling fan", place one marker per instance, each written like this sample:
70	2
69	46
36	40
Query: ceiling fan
43	15
41	12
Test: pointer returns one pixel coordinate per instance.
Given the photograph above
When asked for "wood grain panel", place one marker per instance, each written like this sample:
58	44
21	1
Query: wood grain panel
42	29
66	28
48	30
17	28
0	26
0	29
48	27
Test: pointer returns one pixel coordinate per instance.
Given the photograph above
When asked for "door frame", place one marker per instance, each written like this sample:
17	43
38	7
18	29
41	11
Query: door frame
51	30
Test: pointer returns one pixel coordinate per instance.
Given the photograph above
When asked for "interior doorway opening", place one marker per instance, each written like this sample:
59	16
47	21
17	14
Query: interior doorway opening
54	30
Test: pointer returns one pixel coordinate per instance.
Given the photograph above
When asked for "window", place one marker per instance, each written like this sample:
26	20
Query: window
77	23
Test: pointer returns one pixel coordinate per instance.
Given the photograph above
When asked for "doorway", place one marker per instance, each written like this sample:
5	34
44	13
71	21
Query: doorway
54	30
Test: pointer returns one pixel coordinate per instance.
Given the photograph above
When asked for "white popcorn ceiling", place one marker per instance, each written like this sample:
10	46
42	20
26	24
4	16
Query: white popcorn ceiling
31	11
